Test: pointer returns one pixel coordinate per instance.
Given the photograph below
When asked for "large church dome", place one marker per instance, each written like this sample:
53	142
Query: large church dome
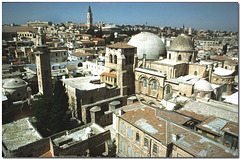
182	43
149	44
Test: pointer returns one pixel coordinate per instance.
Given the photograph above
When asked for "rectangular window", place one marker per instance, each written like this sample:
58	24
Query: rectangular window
137	137
130	132
123	128
129	151
146	142
154	148
122	145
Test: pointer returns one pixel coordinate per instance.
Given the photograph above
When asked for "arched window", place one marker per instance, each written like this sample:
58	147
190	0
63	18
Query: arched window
168	89
145	83
110	59
226	67
115	59
169	56
179	57
154	85
190	58
195	73
136	154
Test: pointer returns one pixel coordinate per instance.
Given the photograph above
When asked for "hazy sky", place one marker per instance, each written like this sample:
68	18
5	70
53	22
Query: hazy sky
212	16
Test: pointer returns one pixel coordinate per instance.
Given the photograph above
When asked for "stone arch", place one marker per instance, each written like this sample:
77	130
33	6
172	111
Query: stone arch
195	73
151	82
113	71
168	89
190	58
152	103
142	100
110	58
115	59
179	57
80	64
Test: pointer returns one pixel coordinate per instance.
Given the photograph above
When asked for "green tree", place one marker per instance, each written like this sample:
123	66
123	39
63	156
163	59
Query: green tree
51	111
99	33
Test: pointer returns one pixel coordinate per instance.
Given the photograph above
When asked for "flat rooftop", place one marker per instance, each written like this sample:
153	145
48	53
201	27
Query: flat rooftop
69	139
83	83
168	62
19	133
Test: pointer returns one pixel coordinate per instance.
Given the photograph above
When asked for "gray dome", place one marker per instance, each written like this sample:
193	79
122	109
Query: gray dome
14	83
203	85
149	44
182	43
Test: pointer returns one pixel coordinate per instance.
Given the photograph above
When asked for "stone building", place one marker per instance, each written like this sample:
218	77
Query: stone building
175	72
26	32
17	93
120	63
90	140
89	18
144	131
43	69
20	139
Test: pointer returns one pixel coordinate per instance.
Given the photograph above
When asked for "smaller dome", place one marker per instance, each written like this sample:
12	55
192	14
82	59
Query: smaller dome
182	43
14	83
223	72
203	85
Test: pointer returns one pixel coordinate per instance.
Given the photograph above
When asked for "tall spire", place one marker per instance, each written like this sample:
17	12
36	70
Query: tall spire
89	9
89	18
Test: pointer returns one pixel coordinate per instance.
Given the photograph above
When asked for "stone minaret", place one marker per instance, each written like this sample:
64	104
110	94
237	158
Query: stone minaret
41	37
89	18
183	31
43	70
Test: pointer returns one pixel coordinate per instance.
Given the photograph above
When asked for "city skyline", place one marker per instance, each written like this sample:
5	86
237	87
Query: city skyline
207	16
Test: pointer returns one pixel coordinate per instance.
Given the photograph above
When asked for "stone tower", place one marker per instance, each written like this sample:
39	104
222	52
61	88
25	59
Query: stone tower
183	29
120	64
89	18
43	70
41	37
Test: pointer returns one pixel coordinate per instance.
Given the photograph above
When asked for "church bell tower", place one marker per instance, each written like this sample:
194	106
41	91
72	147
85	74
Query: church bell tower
89	18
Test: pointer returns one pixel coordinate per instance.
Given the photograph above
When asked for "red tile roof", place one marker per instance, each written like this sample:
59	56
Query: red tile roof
121	45
87	42
206	128
108	74
47	154
98	39
200	146
189	141
81	54
222	58
26	29
192	115
18	62
231	128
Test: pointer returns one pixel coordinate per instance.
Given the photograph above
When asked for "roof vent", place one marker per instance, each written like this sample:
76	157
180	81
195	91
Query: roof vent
175	137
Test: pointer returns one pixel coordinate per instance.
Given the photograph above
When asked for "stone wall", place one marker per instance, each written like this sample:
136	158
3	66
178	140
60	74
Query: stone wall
34	149
95	145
